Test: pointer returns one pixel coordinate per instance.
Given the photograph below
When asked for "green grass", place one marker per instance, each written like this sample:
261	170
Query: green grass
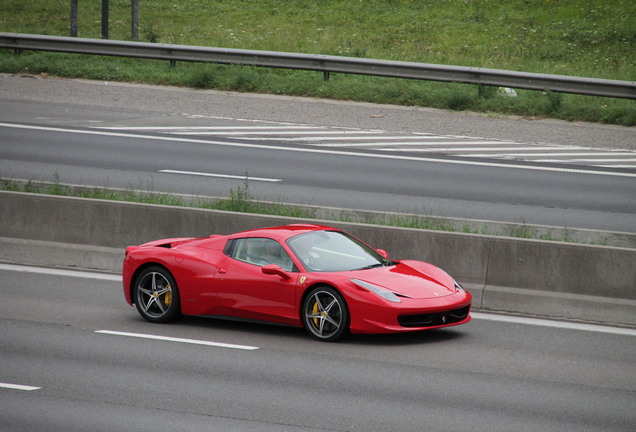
240	199
592	38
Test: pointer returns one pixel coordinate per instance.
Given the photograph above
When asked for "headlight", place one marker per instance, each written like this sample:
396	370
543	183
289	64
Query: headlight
385	294
458	287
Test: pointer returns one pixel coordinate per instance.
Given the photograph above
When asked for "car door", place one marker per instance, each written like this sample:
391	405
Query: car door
245	291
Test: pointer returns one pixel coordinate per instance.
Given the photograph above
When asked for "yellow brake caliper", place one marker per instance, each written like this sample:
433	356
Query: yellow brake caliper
314	311
167	298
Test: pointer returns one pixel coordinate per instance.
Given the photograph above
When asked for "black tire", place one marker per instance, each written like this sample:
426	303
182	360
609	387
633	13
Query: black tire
156	295
325	314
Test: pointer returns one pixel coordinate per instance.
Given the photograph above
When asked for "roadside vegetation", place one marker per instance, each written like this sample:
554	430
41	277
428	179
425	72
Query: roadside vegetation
589	38
241	200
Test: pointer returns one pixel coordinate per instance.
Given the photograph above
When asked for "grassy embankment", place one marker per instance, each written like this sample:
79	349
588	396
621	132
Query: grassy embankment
591	38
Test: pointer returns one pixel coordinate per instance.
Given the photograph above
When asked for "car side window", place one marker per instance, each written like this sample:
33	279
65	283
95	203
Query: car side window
260	252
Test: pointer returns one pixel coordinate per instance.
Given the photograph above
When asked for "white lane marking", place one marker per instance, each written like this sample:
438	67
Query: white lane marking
325	151
180	340
554	324
62	272
19	387
204	128
194	173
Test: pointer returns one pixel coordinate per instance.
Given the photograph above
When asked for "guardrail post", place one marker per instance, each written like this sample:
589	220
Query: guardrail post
74	18
134	12
325	76
104	19
485	91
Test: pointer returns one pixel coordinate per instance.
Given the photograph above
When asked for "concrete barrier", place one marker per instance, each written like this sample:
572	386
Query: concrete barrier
554	279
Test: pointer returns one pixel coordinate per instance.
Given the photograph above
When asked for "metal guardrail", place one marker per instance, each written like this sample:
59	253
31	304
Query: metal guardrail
323	63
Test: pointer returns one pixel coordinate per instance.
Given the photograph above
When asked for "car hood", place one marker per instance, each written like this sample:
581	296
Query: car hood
413	279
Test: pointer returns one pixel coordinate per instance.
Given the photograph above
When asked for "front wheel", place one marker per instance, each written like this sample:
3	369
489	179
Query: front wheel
156	295
325	314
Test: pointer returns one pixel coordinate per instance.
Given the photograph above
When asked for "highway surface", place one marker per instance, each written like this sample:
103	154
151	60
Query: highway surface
173	140
76	357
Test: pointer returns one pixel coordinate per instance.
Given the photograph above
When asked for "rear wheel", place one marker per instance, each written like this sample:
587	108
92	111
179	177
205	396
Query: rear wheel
156	295
325	314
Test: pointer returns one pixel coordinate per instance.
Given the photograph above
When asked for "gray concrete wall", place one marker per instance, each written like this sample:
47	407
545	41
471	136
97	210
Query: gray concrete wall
562	280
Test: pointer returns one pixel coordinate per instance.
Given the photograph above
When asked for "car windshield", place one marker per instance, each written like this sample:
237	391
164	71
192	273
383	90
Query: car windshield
332	251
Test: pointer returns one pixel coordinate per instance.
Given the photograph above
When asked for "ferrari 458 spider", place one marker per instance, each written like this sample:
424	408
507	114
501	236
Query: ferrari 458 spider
308	276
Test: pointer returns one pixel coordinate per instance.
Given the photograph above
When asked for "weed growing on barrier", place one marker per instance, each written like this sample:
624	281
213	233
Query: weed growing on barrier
240	198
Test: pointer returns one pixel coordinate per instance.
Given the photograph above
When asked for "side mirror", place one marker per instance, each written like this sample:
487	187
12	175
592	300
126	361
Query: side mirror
273	269
382	252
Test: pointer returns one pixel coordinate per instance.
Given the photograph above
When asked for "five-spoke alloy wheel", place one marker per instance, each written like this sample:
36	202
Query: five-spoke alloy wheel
325	314
156	295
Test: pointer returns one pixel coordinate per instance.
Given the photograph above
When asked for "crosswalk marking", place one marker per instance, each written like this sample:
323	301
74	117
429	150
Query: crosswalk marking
415	142
412	145
467	150
279	132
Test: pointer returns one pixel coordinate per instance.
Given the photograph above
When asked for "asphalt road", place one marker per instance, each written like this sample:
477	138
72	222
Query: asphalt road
515	374
59	370
43	139
147	105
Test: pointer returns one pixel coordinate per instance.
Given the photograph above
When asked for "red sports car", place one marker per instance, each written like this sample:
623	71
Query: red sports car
301	275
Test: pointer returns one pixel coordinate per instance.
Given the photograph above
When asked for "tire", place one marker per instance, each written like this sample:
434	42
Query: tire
325	314
157	296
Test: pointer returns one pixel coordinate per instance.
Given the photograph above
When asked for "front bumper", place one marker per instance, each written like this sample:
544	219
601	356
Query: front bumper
411	314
